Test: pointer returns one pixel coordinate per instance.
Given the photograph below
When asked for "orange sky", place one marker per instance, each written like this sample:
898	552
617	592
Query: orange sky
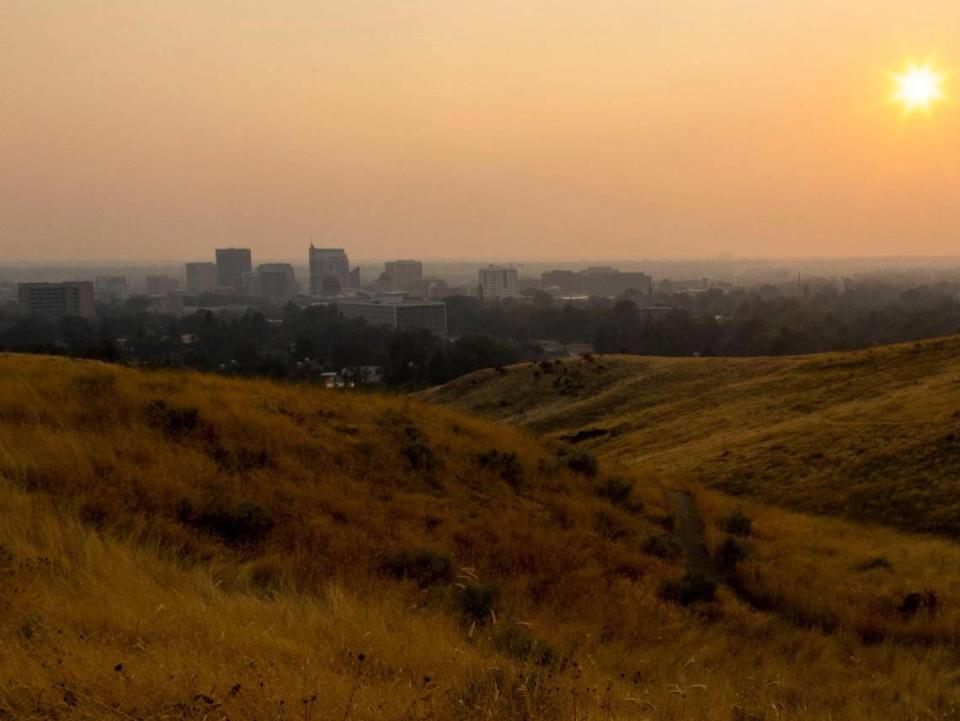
138	130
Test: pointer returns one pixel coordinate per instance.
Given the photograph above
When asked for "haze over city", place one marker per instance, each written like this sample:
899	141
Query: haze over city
451	130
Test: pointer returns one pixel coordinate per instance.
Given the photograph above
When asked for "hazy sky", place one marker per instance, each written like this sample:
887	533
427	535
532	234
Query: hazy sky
500	129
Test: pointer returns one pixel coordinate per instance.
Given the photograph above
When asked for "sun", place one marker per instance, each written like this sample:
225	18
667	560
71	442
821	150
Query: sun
918	87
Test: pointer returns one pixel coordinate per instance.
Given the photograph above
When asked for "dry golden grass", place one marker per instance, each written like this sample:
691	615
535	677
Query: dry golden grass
871	435
132	587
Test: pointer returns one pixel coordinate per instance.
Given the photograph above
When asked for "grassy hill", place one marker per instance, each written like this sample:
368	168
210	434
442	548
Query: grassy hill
175	545
871	435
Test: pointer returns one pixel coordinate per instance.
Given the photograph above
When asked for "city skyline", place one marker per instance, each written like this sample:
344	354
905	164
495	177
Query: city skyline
611	131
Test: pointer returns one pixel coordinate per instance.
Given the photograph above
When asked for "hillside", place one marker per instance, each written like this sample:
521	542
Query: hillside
175	545
871	435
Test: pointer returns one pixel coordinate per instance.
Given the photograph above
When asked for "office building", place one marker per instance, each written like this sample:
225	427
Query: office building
201	277
110	288
277	280
232	263
401	275
56	300
398	314
161	285
250	284
498	282
561	281
329	271
610	282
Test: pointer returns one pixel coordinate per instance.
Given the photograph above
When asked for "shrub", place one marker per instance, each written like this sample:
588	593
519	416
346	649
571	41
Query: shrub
615	490
692	588
243	523
518	642
879	562
173	421
507	464
477	601
583	463
662	546
913	602
416	451
736	524
730	553
424	566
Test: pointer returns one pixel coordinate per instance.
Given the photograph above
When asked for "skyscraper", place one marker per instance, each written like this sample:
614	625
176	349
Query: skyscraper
201	277
329	270
232	263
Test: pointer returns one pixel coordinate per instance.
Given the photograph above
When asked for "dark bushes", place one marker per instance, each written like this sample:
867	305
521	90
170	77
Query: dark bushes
507	464
583	463
615	490
730	553
736	524
662	546
243	523
424	566
416	451
477	601
518	642
692	588
172	420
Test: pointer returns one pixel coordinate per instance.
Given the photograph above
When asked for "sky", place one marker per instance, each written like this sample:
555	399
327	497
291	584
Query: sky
448	129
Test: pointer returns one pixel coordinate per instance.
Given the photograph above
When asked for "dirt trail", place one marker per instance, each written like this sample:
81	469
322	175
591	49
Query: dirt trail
689	532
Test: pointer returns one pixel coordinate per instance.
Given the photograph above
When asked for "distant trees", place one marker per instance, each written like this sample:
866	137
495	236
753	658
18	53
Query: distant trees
293	342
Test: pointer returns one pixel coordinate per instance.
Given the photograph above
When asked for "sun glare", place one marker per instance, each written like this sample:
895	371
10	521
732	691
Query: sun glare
918	87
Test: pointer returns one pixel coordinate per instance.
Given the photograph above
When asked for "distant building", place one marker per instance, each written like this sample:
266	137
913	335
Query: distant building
56	300
110	288
598	281
277	280
611	282
563	281
398	314
250	284
201	277
498	282
329	271
232	263
401	275
162	285
8	291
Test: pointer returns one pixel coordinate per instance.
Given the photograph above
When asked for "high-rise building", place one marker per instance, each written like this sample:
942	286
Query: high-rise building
498	282
399	314
201	277
55	300
401	275
329	271
277	280
111	288
162	285
232	263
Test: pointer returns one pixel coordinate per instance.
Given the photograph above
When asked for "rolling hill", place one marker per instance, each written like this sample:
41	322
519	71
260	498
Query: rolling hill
176	545
871	435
